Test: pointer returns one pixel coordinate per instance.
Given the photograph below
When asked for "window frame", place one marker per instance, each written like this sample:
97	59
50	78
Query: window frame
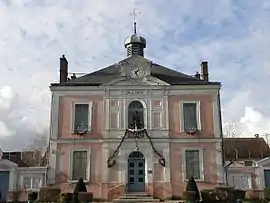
201	163
90	109
88	169
240	175
31	177
198	114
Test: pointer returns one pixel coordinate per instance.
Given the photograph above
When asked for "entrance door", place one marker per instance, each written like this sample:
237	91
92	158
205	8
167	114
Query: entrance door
267	178
136	172
4	185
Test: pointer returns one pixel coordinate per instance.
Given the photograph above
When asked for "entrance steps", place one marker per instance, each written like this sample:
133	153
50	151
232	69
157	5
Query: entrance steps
136	197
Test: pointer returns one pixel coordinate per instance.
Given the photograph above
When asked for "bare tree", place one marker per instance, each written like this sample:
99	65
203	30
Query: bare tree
36	154
232	131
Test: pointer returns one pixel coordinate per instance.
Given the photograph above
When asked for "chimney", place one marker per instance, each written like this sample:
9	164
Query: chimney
204	71
63	69
198	75
257	135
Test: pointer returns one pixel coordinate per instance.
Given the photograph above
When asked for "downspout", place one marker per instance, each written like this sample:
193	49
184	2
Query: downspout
222	141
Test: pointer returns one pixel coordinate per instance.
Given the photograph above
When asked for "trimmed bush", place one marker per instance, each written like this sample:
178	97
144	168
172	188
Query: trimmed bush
85	197
208	196
66	197
239	194
47	194
192	192
32	196
266	193
80	187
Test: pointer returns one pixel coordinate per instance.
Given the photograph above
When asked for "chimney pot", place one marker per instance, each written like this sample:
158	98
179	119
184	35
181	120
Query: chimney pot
198	75
63	69
204	71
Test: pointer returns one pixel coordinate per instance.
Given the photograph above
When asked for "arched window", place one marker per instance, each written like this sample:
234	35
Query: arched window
135	115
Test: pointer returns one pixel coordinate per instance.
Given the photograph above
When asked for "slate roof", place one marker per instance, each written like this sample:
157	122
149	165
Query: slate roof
247	148
111	72
24	159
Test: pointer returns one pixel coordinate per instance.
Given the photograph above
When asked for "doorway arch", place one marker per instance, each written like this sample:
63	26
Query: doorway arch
136	172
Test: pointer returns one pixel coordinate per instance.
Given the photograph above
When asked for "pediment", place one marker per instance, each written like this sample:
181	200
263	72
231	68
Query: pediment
264	162
6	164
147	81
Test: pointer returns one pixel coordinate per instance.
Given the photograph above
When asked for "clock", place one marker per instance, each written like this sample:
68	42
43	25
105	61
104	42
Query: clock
136	72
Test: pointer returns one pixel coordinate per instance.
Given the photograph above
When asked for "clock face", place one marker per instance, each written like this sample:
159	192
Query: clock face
136	72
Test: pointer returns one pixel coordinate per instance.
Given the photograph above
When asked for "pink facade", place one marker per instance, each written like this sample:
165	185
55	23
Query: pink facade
107	182
135	126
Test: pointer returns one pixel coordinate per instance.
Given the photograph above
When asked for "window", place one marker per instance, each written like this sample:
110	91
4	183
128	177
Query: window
248	163
82	117
80	166
241	181
31	183
135	114
193	164
191	116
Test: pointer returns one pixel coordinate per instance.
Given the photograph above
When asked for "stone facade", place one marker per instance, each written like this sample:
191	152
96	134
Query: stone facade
161	94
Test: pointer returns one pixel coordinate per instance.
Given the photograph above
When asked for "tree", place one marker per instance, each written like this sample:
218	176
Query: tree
36	154
231	131
80	187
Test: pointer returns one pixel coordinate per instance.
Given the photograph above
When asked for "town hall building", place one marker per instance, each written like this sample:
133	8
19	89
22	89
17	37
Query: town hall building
135	126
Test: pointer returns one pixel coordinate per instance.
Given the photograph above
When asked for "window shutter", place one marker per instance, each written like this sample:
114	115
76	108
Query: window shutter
81	115
193	164
190	116
79	168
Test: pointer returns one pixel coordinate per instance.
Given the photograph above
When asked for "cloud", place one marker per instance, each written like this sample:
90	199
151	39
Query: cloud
234	36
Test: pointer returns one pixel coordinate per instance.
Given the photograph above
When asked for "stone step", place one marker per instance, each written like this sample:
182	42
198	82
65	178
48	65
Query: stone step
136	200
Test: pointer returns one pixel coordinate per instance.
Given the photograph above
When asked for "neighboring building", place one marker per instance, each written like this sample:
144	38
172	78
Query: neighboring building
90	116
243	157
18	177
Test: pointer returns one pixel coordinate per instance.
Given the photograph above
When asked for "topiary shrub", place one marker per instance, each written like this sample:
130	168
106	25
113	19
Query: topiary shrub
32	196
266	193
84	197
48	194
192	193
239	194
208	196
80	187
66	197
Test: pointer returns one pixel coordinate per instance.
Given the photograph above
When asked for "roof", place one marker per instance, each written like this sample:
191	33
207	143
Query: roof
245	148
26	158
111	72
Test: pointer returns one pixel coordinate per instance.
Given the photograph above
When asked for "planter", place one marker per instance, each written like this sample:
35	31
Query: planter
191	195
85	197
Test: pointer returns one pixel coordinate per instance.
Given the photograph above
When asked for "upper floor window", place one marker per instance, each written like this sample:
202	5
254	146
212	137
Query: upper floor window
135	115
82	117
191	116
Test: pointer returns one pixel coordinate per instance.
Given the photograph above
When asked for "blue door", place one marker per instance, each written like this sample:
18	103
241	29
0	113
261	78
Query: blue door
267	178
136	172
4	185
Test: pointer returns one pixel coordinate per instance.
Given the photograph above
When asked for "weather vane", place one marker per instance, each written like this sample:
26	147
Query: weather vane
135	13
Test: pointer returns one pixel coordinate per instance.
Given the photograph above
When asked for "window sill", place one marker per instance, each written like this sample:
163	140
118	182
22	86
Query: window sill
75	181
87	133
30	190
197	180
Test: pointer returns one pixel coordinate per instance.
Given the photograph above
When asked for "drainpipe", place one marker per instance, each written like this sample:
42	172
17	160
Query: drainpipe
222	142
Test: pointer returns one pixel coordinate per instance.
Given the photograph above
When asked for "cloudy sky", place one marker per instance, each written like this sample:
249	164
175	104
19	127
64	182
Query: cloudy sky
234	36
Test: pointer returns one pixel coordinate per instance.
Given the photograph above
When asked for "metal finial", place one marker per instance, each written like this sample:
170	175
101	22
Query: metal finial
134	14
135	28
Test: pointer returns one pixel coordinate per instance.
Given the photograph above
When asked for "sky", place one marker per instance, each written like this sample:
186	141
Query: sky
233	36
